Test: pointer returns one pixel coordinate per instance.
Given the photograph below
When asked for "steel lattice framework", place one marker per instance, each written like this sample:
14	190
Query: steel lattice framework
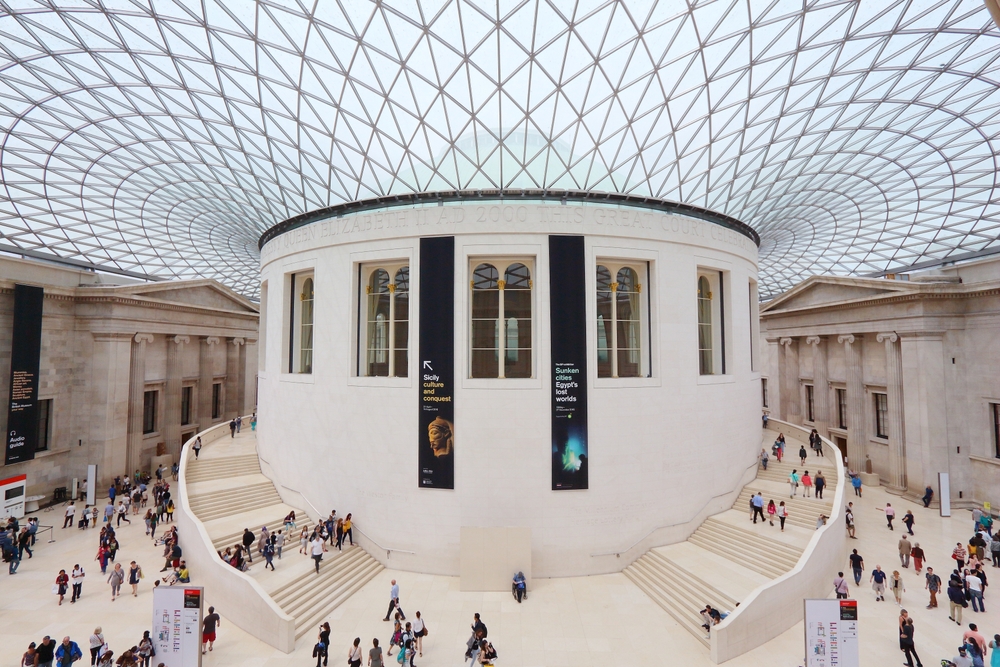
164	136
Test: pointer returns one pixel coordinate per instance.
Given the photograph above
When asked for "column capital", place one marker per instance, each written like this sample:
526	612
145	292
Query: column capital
884	337
815	340
786	341
238	341
210	340
846	338
181	340
143	338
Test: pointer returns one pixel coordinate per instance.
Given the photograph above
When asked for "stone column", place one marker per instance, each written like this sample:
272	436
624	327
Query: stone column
233	376
894	387
925	412
206	375
857	431
788	364
775	368
249	400
109	404
172	402
136	392
821	384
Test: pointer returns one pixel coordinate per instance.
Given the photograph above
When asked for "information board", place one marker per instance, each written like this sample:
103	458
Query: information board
436	430
831	629
25	353
177	618
568	322
12	492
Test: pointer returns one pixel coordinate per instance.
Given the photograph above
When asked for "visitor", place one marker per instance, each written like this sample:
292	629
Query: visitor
764	419
758	507
375	655
232	429
995	654
905	549
976	643
962	659
908	521
975	587
782	514
959	555
479	633
856	483
248	539
67	653
278	540
519	584
763	458
394	602
896	584
348	530
96	642
793	483
771	511
933	585
857	566
46	651
906	644
928	495
196	447
840	586
239	423
134	575
889	514
77	580
303	540
253	422
807	484
30	657
122	514
210	623
918	557
116	579
420	630
877	580
145	649
62	581
70	513
802	454
820	483
956	599
318	547
354	653
268	552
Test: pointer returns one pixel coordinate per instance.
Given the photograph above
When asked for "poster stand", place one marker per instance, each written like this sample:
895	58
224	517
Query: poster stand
831	633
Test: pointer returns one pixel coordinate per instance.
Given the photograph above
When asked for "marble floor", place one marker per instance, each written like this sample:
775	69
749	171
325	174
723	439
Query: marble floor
581	621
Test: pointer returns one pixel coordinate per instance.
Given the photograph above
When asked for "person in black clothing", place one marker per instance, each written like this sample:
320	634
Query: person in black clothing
248	539
324	639
46	651
906	643
479	633
857	566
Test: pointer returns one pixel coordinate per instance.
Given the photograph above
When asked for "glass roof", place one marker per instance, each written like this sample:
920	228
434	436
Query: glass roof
164	136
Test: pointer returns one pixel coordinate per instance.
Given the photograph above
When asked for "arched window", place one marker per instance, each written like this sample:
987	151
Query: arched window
387	333
497	302
306	299
619	321
705	333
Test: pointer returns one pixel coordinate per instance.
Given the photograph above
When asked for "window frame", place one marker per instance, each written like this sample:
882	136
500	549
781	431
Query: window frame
810	402
880	407
717	297
187	406
995	409
763	393
614	266
150	415
43	441
840	394
293	323
502	263
365	272
217	400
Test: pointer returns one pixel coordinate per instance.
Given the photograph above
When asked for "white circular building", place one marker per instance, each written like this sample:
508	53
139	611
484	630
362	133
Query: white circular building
575	365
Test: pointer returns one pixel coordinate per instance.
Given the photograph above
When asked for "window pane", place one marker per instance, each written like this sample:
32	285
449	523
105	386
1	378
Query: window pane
44	421
517	303
485	277
485	364
402	333
628	348
377	348
484	334
517	277
704	326
306	324
518	353
604	322
486	304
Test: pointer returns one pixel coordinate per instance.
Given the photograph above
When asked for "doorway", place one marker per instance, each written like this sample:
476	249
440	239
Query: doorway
842	446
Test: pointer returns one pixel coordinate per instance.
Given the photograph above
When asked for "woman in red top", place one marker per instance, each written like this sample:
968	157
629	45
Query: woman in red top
62	581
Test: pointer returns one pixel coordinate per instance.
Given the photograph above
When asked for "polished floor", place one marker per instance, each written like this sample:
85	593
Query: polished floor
601	620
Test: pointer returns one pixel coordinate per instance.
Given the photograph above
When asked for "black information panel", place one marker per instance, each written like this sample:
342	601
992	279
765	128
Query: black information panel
568	298
26	348
437	363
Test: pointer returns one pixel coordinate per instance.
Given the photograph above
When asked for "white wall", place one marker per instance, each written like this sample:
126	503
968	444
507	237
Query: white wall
660	447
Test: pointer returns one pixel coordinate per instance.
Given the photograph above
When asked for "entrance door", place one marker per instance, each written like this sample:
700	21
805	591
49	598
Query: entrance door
842	446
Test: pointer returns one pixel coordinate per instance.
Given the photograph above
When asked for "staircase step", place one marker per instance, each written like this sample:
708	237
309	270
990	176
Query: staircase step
303	624
780	550
687	619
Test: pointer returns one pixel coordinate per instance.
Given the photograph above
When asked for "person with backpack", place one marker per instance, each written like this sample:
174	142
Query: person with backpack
268	552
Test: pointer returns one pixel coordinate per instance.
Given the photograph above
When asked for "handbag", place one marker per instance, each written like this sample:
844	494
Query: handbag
55	589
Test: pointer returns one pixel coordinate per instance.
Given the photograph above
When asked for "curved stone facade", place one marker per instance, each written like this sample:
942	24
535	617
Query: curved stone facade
663	443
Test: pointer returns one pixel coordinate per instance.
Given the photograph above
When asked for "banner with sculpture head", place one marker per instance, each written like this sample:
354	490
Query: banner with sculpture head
436	431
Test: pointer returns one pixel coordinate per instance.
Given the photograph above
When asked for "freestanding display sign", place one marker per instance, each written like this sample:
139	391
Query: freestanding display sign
831	628
436	435
177	619
12	493
568	321
25	353
944	493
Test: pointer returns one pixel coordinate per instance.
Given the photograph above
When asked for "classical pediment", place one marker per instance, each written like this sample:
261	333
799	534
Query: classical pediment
203	293
824	291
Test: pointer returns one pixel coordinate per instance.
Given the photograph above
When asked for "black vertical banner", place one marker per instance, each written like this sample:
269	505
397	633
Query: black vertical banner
437	363
26	349
568	313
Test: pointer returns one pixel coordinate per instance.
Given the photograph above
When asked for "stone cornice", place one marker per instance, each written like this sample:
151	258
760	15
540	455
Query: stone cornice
883	299
62	294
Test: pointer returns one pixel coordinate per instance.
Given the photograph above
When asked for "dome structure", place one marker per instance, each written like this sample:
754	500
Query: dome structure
162	137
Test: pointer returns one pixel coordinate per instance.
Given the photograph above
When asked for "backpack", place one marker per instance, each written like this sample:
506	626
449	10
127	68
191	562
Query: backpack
401	656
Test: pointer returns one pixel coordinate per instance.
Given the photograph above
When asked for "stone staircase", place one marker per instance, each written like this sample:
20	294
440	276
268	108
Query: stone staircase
736	554
227	492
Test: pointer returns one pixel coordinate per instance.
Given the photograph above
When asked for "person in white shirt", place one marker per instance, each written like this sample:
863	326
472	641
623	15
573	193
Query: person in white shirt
70	513
77	576
317	548
419	629
975	585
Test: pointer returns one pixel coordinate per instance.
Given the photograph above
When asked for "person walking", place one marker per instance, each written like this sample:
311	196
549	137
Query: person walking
375	655
995	549
122	514
908	521
896	584
762	457
419	632
348	532
959	555
146	650
793	483
918	557
849	519
62	584
840	586
30	657
976	644
67	653
70	513
239	423
933	585
995	654
771	511
232	429
975	587
116	579
905	548
807	484
268	552
857	566
134	575
956	599
77	578
209	625
782	514
856	483
196	447
889	514
279	542
820	483
906	644
354	653
394	602
96	642
248	539
317	548
46	651
877	580
758	507
324	639
802	454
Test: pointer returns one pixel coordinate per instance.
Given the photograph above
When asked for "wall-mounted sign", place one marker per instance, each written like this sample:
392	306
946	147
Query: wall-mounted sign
436	430
831	628
25	353
12	492
177	619
568	313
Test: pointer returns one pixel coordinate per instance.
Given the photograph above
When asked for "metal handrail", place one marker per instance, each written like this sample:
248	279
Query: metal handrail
671	525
